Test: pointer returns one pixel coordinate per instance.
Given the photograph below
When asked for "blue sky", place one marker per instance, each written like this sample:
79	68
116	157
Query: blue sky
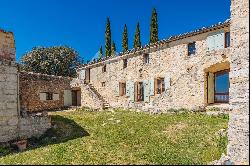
81	23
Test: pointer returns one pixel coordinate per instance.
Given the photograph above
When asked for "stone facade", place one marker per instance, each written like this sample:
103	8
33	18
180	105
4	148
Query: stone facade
13	125
188	78
187	73
33	84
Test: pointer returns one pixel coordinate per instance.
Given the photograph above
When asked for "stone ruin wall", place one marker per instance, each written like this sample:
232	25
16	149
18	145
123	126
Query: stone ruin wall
13	126
31	84
7	46
187	74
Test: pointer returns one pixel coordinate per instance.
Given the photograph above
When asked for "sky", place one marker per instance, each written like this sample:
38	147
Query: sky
80	24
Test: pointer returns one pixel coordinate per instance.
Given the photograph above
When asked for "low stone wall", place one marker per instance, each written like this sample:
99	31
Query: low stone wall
32	84
33	126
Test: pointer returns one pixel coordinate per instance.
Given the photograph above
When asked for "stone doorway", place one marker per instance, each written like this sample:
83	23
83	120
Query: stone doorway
76	97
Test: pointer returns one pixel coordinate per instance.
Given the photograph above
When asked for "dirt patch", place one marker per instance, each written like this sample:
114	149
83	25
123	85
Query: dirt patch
174	129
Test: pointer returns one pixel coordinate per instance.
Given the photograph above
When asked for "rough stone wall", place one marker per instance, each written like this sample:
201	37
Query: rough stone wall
187	74
89	98
31	84
33	126
7	46
8	101
13	126
238	133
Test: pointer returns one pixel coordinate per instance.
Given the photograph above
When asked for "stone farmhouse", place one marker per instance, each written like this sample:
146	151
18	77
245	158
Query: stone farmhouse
203	69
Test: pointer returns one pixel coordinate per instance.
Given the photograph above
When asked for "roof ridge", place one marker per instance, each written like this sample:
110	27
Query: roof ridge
41	74
169	39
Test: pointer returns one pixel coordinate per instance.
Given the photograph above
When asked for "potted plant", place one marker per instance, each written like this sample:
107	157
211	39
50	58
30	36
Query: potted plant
21	144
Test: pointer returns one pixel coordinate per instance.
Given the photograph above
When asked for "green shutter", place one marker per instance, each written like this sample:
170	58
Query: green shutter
82	75
42	96
55	96
132	91
117	88
215	40
128	88
219	40
146	90
167	81
151	87
210	42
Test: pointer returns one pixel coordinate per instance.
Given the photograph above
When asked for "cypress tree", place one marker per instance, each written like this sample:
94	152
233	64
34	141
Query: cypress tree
100	53
113	49
125	39
154	27
137	38
108	39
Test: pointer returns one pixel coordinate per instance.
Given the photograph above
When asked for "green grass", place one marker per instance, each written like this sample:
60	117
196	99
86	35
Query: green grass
126	137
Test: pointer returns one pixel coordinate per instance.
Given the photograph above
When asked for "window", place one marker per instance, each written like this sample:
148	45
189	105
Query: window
159	85
221	86
103	84
227	39
49	96
191	49
122	88
44	96
56	96
139	91
104	68
125	63
146	58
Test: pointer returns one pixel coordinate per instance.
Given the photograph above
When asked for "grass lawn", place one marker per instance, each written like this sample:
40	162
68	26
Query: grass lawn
125	137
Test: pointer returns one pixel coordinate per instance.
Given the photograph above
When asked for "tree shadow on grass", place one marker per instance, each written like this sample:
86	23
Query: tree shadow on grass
62	130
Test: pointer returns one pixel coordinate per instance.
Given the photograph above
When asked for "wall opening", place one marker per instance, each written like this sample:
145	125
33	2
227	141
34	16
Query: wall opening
217	83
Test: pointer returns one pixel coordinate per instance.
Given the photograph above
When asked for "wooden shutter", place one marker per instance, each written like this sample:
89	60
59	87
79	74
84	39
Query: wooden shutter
82	75
167	81
128	88
210	88
136	90
43	96
219	40
210	42
132	91
151	87
146	90
67	97
55	96
117	88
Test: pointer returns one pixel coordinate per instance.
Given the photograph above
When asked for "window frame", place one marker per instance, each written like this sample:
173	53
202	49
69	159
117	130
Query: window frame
146	59
188	48
104	68
122	88
139	92
227	43
103	84
125	63
221	72
161	89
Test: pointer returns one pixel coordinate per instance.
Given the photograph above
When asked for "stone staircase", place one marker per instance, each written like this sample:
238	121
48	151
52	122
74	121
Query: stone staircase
105	104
